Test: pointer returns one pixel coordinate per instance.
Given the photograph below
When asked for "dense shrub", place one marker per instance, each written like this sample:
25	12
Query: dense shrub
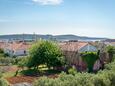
6	61
6	55
1	50
22	61
104	77
111	51
3	82
90	59
65	80
13	61
72	70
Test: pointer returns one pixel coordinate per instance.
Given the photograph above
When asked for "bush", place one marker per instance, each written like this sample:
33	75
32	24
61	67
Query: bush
6	55
21	62
65	80
3	82
72	71
6	61
90	59
1	51
111	51
104	77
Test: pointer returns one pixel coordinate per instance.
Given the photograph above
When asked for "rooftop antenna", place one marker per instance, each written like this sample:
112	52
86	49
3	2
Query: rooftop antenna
23	37
34	37
88	46
77	46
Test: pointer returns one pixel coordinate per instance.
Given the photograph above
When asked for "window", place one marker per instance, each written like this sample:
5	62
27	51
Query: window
24	52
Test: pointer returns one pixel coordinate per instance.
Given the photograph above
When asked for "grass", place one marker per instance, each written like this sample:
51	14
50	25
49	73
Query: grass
42	70
29	72
8	74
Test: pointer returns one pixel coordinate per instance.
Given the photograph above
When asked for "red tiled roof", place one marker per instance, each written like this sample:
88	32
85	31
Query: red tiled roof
19	46
72	46
2	45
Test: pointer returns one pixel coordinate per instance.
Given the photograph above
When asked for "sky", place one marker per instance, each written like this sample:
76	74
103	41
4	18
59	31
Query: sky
93	18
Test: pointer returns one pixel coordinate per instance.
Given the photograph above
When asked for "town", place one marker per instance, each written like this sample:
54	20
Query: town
79	56
57	42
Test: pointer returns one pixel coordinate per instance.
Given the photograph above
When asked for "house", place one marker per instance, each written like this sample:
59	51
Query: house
17	48
110	42
2	45
72	50
77	46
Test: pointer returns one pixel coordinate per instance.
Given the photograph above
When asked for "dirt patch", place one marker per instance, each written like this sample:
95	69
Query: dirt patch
20	79
9	68
53	76
13	69
28	79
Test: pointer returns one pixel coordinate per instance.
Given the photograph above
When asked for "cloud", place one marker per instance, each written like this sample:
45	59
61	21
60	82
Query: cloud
48	2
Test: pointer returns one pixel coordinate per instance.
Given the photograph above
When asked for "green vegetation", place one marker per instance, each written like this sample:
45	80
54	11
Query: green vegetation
45	56
1	51
102	78
111	51
45	52
3	54
72	70
90	59
3	82
7	61
8	74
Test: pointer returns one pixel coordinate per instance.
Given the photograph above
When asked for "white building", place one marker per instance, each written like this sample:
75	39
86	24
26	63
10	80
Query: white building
17	49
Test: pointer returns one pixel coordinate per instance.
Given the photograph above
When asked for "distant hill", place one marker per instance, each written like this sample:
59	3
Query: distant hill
47	37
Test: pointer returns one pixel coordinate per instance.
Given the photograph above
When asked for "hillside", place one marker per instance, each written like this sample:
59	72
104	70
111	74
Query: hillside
47	37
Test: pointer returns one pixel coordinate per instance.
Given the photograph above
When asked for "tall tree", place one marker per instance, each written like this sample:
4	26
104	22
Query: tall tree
45	52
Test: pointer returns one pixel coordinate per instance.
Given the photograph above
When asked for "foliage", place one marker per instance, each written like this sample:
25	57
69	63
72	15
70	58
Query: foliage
90	59
30	72
102	78
1	51
45	52
22	62
72	71
6	55
79	79
64	80
3	54
3	82
9	74
6	61
111	51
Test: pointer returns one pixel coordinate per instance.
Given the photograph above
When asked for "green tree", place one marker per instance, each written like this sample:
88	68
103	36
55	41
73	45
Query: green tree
45	52
111	51
90	59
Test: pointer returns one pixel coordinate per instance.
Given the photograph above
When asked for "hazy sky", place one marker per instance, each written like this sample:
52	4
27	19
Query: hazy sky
94	18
